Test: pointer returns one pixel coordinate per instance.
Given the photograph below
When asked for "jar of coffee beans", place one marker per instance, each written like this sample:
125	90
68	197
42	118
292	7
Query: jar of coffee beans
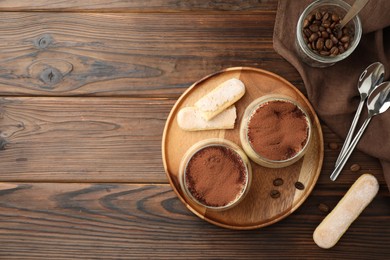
320	40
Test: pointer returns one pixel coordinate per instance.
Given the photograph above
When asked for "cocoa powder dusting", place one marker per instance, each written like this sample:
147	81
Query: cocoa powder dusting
215	176
278	130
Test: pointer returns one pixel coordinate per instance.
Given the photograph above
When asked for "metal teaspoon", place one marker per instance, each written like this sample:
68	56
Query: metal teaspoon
377	103
371	77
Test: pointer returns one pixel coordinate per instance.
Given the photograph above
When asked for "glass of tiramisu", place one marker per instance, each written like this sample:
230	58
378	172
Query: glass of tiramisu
275	131
215	173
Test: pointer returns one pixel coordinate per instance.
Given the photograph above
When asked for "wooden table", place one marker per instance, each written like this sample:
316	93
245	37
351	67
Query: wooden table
86	87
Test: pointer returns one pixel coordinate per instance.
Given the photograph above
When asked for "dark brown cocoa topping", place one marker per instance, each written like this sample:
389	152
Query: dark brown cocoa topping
278	130
215	176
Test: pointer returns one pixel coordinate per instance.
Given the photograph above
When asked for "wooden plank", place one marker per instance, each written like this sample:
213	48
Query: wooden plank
117	221
82	139
105	54
98	139
138	5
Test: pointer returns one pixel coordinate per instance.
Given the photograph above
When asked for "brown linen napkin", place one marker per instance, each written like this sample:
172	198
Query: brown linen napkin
333	91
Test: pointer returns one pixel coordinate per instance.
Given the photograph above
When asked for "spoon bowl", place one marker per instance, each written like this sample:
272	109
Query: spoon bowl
370	78
379	101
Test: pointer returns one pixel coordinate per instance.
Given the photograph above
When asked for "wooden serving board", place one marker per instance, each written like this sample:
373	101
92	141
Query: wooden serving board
258	209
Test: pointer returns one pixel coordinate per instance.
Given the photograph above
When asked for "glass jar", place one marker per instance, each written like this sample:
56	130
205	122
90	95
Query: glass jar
275	131
233	162
339	8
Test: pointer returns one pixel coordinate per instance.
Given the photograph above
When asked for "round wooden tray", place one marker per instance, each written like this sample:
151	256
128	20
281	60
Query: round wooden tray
257	209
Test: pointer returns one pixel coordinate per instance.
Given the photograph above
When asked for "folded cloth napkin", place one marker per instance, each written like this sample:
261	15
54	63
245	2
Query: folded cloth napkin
333	90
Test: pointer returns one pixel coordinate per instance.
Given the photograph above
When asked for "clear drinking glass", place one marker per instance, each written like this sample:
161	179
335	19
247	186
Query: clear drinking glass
338	7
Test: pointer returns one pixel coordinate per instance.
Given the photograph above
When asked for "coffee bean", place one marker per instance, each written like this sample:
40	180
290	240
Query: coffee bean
333	25
317	22
328	30
278	182
325	17
318	16
313	28
320	44
335	18
274	194
328	44
341	49
326	24
333	146
321	28
355	167
323	207
307	32
325	53
313	45
334	51
346	45
324	35
345	39
312	17
345	31
334	39
305	23
313	37
299	185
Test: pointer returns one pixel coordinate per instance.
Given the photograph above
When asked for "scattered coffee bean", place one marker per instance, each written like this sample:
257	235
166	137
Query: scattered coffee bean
278	182
275	194
355	167
323	36
323	207
333	146
299	185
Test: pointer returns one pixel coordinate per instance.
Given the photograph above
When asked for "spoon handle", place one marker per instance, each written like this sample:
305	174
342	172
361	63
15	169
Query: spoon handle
351	131
355	9
349	150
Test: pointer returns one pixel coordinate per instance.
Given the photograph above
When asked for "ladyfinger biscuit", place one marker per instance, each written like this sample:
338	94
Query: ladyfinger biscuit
220	98
347	210
190	119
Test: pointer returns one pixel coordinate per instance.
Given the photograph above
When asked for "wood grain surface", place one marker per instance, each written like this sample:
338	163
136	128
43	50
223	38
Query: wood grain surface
138	5
121	221
85	90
